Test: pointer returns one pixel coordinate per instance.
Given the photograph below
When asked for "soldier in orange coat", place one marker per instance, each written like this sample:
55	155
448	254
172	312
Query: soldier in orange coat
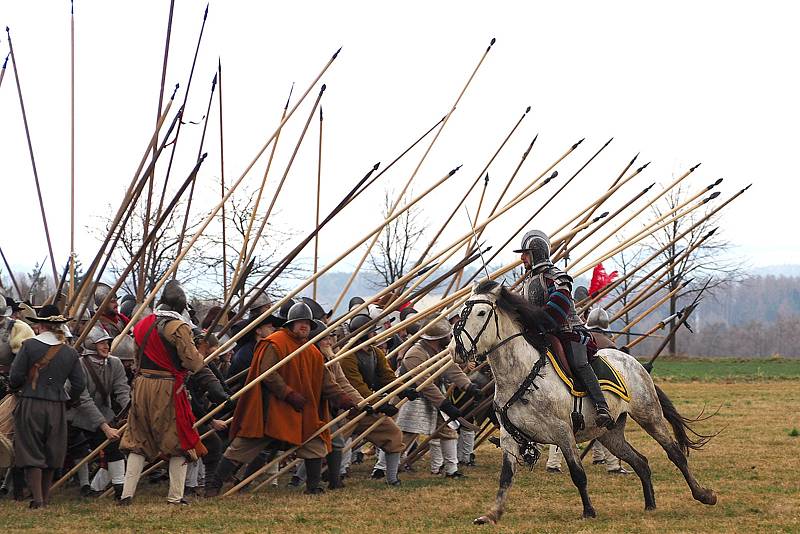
288	407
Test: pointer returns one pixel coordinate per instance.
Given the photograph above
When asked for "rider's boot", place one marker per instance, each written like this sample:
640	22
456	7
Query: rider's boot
586	375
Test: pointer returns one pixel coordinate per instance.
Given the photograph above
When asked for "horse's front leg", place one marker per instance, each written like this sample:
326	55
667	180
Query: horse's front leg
506	478
578	475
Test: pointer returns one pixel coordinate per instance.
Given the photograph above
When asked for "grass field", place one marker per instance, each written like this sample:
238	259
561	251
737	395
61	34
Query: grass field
752	465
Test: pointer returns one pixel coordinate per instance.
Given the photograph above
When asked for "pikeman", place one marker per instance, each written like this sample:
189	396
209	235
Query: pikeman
424	415
108	394
12	333
110	319
160	421
597	323
368	371
40	371
243	356
290	405
547	286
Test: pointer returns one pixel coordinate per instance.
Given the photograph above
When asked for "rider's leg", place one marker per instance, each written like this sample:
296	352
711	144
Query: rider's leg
579	361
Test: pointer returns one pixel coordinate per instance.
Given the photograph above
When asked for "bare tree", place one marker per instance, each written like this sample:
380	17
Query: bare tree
625	262
396	244
708	261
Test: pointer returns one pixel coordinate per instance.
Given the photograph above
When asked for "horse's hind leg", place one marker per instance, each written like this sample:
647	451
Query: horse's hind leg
657	427
506	478
578	475
614	440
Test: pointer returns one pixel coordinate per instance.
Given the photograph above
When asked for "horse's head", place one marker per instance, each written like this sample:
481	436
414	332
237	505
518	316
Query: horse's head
478	327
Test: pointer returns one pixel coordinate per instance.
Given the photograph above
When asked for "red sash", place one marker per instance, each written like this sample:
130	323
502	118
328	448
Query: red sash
158	354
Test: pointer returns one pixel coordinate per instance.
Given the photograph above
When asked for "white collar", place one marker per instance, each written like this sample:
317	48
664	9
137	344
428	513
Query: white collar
96	360
48	338
171	314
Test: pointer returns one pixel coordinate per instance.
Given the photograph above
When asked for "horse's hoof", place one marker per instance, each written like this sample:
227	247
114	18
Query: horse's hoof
708	497
484	520
650	508
589	513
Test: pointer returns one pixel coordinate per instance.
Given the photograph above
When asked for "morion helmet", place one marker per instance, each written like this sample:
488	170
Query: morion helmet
299	312
598	318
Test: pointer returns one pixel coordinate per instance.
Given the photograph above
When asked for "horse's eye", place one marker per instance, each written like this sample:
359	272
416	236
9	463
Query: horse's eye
481	313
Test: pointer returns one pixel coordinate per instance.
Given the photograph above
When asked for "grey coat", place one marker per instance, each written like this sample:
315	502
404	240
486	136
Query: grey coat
52	378
93	410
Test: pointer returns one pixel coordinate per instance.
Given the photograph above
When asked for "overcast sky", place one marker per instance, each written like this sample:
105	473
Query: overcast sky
680	82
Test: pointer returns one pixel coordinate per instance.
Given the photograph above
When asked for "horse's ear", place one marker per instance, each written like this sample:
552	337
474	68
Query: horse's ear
496	290
474	287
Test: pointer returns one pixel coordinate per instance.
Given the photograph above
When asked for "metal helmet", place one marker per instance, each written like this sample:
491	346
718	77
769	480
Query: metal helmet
96	335
355	301
598	318
261	300
538	244
128	305
126	347
317	327
101	293
299	312
360	320
316	309
580	293
173	297
438	329
283	311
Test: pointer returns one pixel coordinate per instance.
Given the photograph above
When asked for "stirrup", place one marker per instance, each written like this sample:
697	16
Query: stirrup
604	418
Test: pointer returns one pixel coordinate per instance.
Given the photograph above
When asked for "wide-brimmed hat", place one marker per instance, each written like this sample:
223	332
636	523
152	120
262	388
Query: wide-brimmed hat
49	314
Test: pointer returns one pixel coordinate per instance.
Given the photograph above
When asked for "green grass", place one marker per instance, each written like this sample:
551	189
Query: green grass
721	369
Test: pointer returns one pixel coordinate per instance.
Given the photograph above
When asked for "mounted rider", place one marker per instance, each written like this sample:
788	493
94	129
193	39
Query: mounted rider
548	286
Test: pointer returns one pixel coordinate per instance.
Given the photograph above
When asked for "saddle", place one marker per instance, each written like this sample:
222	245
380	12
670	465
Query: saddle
608	377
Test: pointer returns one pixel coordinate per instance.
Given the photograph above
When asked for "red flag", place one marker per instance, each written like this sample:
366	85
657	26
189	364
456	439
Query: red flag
600	279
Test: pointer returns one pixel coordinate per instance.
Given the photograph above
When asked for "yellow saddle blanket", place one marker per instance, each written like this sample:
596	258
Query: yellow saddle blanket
607	375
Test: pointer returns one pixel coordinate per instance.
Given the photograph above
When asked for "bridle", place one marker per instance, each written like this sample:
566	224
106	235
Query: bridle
459	330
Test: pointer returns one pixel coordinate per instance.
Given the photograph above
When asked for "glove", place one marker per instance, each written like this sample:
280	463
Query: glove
388	409
450	410
367	409
475	391
296	401
230	405
344	402
410	394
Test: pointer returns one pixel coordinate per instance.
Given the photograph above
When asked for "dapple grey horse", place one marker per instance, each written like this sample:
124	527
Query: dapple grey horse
534	406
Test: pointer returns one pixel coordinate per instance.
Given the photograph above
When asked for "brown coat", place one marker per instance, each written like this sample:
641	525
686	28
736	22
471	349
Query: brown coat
418	354
351	369
152	430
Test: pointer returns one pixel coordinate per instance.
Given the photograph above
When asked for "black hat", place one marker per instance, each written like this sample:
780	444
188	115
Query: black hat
49	314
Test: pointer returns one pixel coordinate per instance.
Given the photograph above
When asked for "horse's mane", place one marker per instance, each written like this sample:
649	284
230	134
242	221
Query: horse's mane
532	319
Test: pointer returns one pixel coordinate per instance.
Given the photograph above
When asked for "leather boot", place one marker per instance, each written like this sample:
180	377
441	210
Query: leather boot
589	379
313	476
225	471
334	459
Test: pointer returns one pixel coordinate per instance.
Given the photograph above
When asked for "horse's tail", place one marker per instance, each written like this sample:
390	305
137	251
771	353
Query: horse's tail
685	435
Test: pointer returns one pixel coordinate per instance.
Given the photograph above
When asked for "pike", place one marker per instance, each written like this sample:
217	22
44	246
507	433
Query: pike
3	69
316	219
222	186
61	281
246	241
199	152
71	149
230	192
151	179
652	308
658	326
33	160
664	191
413	175
653	288
11	274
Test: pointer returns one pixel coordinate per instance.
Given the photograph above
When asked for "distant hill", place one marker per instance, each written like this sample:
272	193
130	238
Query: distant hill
778	270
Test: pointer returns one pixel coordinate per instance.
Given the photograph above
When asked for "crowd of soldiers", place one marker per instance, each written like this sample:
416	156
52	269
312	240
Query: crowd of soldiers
142	402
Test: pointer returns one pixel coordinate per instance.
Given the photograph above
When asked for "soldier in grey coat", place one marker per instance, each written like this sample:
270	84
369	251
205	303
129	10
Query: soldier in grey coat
107	393
39	372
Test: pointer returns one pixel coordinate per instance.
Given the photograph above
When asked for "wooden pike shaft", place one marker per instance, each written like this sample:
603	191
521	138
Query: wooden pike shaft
71	152
646	293
638	212
316	219
33	159
3	70
411	178
230	192
11	274
246	251
409	376
648	311
440	368
222	187
647	334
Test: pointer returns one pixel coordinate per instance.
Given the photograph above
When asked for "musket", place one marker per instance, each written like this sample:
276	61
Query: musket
33	160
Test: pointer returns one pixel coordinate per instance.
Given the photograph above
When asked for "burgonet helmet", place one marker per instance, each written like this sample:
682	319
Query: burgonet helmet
598	318
95	336
299	312
173	296
537	243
